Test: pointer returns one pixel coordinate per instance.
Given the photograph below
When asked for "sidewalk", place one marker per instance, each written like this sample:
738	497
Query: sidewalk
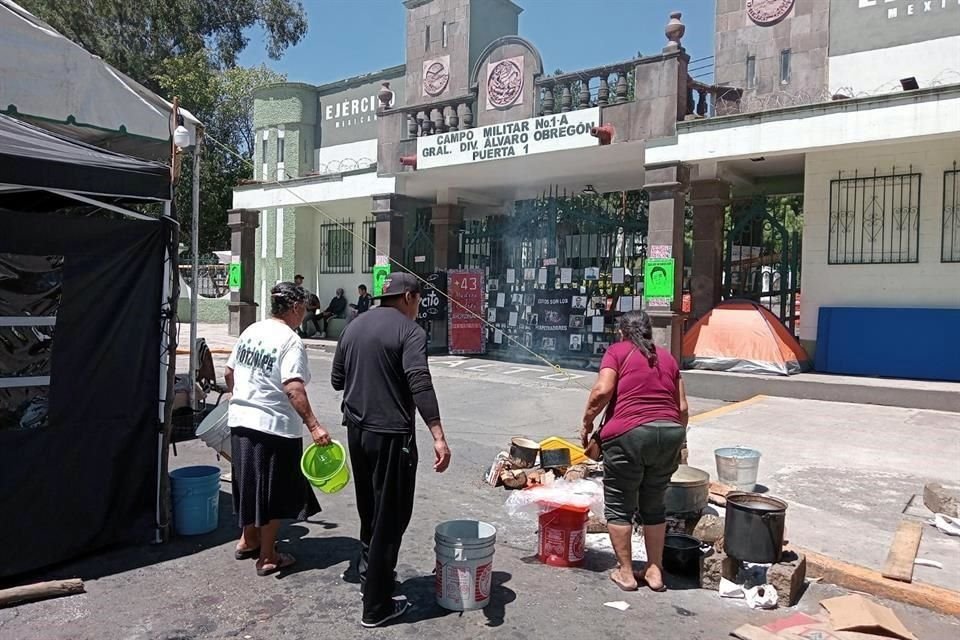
849	472
221	343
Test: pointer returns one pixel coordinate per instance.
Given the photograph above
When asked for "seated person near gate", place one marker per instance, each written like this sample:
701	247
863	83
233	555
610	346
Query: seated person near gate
336	309
313	306
364	301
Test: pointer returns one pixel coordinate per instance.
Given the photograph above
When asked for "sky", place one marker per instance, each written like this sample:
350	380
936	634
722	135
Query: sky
352	37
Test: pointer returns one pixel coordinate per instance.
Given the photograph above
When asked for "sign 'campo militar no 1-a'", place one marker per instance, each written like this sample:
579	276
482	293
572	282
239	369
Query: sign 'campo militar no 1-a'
558	132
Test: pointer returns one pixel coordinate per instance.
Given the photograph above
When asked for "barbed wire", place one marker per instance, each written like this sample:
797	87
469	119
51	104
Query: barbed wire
799	98
343	165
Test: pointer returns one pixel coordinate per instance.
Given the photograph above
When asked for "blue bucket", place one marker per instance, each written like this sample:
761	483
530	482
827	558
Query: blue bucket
196	499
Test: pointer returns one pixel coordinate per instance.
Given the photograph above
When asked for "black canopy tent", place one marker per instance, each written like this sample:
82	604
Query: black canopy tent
87	307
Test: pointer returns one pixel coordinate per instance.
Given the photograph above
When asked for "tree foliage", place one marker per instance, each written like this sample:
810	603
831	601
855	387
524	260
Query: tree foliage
223	101
189	48
139	36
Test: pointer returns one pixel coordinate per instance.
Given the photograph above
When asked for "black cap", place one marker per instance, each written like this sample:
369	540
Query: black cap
397	284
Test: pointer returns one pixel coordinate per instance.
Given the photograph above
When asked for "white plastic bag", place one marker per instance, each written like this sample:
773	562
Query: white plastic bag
528	504
762	597
946	524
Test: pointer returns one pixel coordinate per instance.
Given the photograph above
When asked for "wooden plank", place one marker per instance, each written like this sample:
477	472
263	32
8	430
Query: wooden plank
40	591
903	551
857	578
720	489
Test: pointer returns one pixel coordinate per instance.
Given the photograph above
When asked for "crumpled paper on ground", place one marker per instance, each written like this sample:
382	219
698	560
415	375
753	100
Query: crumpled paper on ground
946	524
758	597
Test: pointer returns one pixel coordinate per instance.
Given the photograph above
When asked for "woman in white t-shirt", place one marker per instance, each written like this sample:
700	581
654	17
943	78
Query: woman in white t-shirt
267	374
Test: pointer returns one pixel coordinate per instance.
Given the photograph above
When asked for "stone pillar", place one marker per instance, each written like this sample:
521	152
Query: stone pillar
709	199
243	225
446	221
666	185
390	220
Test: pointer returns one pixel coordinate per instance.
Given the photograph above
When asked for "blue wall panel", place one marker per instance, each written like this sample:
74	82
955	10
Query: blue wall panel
923	344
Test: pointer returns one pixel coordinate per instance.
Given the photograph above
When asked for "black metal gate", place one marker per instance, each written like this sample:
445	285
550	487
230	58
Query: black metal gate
762	254
592	244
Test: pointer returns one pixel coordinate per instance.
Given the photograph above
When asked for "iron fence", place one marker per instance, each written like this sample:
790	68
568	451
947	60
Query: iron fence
950	248
211	279
875	219
419	250
336	247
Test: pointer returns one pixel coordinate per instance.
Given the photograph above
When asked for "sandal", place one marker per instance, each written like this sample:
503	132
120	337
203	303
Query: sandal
246	554
285	560
642	580
622	586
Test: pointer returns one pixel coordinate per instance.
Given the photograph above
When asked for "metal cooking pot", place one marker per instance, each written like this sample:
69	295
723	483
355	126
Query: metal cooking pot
753	528
523	453
682	554
688	491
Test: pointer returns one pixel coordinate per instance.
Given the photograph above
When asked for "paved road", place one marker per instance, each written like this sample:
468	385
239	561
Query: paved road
192	588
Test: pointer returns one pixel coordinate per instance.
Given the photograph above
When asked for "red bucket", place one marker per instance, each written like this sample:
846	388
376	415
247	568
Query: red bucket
563	535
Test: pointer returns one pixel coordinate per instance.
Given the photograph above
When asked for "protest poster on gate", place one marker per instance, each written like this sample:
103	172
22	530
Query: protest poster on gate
467	290
551	319
433	302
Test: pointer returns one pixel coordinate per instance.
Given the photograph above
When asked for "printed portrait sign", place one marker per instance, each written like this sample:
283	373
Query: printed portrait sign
380	273
235	276
658	274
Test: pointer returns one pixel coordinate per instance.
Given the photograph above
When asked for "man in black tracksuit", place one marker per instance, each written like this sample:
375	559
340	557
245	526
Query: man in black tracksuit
381	366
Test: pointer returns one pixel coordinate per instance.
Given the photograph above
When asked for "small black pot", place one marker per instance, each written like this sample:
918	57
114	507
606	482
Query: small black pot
682	553
523	453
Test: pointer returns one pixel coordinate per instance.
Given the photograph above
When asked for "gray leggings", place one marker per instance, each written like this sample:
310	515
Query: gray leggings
637	467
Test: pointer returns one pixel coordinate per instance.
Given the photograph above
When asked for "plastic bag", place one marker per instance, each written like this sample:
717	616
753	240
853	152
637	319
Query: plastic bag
762	597
578	494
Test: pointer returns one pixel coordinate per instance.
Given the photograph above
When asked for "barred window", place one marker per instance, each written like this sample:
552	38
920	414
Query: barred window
875	219
336	248
951	216
370	248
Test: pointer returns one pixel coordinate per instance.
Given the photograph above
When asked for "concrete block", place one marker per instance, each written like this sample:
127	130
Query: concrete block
788	577
709	528
716	566
940	500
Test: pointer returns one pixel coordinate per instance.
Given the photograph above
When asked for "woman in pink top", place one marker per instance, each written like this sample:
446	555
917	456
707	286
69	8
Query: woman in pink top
642	433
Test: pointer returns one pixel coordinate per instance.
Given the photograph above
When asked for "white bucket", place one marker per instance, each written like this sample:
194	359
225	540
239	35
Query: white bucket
738	466
464	564
214	432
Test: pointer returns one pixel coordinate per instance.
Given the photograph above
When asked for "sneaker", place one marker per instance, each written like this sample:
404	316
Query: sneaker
400	607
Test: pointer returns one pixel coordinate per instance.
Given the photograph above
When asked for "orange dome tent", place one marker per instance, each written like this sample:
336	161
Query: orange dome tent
742	336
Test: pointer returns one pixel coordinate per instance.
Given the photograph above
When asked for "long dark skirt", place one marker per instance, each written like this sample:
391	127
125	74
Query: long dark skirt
267	482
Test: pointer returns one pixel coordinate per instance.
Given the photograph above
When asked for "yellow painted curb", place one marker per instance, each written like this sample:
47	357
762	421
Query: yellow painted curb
719	411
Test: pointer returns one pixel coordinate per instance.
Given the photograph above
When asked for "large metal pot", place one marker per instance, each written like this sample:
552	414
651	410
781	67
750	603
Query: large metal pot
523	453
688	491
753	528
